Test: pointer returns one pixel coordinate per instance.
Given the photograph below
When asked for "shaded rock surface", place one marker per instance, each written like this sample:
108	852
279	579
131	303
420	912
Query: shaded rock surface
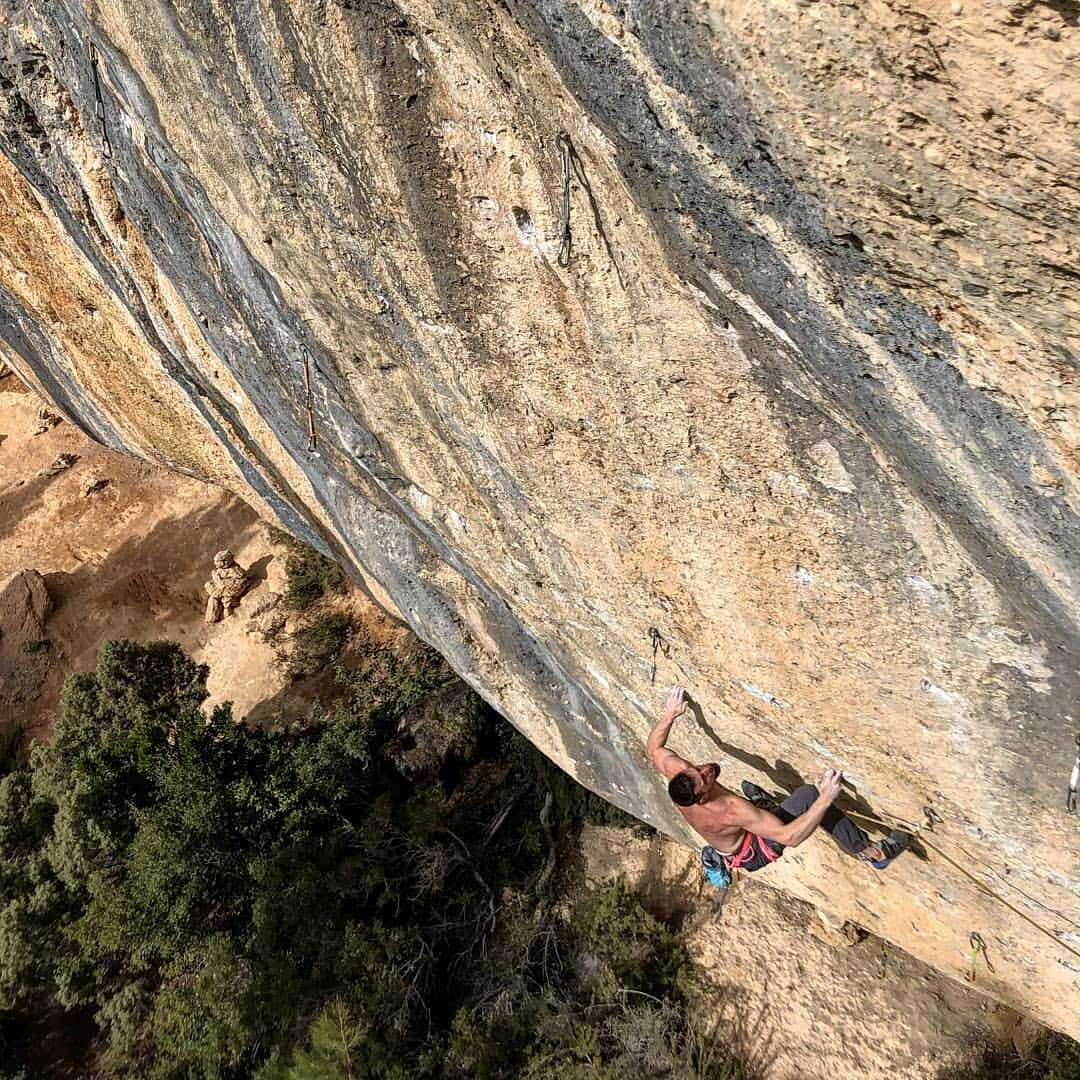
802	399
439	734
25	605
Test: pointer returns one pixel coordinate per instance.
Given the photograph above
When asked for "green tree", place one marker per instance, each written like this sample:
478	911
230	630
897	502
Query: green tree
212	901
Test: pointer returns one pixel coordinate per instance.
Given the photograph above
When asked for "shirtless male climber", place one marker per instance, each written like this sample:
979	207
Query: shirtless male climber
742	834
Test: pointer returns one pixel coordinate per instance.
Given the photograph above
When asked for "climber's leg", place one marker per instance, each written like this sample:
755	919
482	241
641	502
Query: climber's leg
842	829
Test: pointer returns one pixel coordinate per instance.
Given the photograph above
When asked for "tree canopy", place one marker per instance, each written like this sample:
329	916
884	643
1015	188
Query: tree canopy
182	896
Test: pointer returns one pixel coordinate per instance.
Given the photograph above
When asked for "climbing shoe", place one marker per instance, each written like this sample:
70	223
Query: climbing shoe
891	846
758	796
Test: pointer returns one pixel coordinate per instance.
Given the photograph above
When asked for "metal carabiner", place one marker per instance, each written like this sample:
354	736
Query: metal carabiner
658	644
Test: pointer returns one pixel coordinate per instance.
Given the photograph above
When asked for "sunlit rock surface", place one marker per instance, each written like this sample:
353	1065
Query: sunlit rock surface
806	404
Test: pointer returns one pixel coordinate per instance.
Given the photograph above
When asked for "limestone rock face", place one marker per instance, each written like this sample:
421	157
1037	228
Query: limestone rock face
799	394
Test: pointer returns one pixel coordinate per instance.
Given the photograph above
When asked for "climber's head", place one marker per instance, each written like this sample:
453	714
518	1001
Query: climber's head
693	784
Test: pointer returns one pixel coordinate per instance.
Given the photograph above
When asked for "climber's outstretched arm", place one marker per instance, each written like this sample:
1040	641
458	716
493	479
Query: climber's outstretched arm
792	833
667	761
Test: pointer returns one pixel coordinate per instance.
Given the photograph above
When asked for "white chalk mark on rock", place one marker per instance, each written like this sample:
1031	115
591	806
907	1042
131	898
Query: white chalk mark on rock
829	468
921	585
763	695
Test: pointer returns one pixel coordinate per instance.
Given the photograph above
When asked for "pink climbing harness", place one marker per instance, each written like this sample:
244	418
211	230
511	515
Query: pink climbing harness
719	866
746	852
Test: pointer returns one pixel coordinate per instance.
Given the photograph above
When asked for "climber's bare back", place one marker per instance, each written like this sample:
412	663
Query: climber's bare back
717	821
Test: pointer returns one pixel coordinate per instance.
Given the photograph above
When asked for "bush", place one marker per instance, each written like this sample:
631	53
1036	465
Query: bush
616	1008
338	1047
11	745
621	948
1053	1057
309	575
319	640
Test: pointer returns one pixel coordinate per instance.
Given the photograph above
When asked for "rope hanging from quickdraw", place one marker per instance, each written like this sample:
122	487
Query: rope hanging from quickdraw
573	165
99	104
309	404
977	946
723	900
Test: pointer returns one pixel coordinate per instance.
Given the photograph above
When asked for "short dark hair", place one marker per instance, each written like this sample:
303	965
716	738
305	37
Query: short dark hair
681	789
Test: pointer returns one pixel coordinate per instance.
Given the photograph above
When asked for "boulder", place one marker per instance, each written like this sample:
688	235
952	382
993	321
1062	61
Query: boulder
25	605
267	618
25	650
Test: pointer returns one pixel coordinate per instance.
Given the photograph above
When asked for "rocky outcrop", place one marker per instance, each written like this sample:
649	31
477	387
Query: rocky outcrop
439	734
795	997
798	395
25	604
25	651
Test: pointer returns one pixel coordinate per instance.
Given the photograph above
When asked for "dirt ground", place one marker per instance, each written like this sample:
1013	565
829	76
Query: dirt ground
129	561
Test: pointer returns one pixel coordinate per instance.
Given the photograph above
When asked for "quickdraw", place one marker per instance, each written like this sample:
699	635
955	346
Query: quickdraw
309	404
658	644
571	164
1074	781
562	141
977	946
884	958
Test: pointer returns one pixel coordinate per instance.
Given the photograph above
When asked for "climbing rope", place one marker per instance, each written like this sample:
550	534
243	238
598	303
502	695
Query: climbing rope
99	104
917	830
572	164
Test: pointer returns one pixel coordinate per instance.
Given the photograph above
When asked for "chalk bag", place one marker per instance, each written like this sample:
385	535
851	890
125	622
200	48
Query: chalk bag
716	869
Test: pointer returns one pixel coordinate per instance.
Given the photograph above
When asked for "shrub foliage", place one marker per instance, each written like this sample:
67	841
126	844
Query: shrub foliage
309	575
183	897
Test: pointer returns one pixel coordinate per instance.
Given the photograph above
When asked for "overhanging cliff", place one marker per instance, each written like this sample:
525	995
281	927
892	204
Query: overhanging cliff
802	398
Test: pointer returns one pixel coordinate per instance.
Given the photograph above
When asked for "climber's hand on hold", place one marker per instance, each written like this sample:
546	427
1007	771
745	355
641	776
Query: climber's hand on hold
677	703
667	761
829	785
